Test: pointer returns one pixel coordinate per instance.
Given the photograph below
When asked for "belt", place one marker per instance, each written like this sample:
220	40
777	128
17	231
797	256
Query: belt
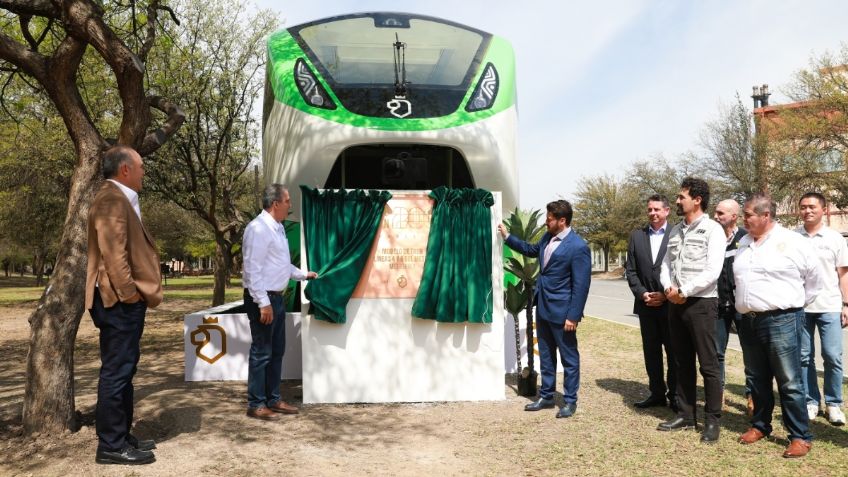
274	293
766	314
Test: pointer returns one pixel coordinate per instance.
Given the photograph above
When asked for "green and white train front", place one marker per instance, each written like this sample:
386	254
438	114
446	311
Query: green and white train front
390	101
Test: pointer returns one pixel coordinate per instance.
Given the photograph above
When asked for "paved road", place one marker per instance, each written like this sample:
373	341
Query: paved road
611	300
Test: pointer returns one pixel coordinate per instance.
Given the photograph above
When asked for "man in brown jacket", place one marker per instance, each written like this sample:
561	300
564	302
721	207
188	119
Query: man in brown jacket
123	279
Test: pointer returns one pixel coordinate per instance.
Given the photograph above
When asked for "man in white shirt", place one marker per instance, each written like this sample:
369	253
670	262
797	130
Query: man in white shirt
829	311
776	274
267	271
689	275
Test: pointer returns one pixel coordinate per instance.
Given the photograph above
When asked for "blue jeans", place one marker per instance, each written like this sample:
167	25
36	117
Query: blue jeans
772	351
265	364
830	331
553	337
726	317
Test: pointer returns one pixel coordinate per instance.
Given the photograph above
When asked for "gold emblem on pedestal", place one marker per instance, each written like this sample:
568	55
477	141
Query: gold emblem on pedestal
209	324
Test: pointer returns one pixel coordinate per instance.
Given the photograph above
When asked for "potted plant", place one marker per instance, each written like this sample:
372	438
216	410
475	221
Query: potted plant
525	226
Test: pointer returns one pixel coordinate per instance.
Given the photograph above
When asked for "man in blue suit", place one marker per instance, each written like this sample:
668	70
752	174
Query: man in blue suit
561	291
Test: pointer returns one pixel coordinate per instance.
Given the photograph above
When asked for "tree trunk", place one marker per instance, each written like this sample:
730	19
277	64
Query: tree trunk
223	264
38	260
606	249
49	404
517	344
529	330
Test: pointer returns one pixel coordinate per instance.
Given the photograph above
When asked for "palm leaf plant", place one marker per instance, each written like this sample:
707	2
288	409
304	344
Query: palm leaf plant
526	226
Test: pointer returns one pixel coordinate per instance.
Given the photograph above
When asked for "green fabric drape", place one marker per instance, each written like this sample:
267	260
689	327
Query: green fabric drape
457	282
339	227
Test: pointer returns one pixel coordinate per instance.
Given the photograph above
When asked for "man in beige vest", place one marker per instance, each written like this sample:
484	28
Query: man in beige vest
123	279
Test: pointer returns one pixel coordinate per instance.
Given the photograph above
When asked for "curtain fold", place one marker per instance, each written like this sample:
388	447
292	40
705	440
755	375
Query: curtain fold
456	285
339	228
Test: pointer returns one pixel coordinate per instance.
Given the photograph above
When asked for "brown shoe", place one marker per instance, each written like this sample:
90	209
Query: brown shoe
750	407
797	448
751	436
282	407
262	413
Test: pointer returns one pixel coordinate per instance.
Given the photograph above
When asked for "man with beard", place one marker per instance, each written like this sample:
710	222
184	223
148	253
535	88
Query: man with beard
561	292
689	275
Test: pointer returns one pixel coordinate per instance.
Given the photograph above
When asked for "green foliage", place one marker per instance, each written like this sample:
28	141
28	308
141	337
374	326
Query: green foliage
809	149
605	212
515	298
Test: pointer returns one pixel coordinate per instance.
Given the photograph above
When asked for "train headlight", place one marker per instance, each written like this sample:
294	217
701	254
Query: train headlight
309	87
485	92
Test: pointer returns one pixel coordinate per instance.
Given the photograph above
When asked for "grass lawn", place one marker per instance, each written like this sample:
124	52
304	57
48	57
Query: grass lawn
17	290
607	436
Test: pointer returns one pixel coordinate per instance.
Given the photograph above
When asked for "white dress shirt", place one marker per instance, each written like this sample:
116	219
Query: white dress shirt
656	238
132	196
830	247
779	272
267	262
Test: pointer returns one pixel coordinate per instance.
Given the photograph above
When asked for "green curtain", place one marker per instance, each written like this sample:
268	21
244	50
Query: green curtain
457	282
339	227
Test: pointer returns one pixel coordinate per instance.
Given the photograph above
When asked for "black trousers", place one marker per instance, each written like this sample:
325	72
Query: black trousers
120	327
692	326
656	336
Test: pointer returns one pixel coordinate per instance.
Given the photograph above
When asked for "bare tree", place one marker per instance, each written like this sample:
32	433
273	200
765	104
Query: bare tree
215	65
46	50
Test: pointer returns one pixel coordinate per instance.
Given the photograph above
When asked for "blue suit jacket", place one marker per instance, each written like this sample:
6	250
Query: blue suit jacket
563	285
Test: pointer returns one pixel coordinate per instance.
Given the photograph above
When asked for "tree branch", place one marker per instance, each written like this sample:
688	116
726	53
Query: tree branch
41	8
154	140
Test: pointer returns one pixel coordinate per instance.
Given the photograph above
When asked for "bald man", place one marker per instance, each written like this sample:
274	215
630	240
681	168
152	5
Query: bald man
727	215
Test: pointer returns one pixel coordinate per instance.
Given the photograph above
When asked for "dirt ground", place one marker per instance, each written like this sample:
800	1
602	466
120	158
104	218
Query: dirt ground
201	429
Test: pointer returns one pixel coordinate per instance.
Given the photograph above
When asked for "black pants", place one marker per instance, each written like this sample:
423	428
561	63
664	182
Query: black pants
120	327
655	336
692	327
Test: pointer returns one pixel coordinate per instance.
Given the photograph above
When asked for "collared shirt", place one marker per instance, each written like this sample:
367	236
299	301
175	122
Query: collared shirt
267	263
830	247
554	243
732	235
656	238
132	196
701	257
779	272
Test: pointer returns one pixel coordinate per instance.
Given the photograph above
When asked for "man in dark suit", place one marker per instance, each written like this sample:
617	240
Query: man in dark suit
123	279
560	296
645	252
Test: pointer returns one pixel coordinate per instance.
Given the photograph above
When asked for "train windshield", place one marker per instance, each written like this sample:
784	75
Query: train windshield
359	49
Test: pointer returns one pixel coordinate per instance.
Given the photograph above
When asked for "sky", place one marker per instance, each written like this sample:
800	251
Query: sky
606	83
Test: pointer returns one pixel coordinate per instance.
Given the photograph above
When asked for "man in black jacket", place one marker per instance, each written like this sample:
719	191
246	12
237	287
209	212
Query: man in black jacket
645	252
727	214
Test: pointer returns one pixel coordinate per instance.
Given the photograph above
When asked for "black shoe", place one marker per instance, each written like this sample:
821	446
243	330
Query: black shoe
142	445
650	402
672	403
676	424
567	410
129	455
710	434
540	404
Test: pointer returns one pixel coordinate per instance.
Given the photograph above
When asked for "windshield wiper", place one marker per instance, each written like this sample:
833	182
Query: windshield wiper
400	67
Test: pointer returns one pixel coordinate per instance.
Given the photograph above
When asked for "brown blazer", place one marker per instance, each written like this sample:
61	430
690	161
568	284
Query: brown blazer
122	256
